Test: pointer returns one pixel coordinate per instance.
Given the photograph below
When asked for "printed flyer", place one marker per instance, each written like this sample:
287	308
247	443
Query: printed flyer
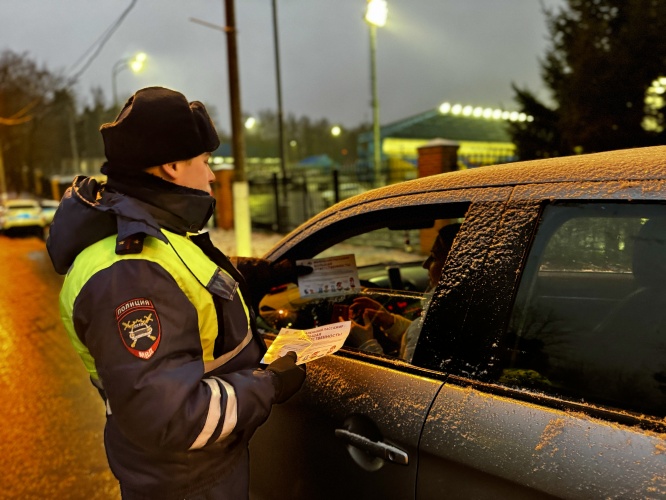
309	344
331	276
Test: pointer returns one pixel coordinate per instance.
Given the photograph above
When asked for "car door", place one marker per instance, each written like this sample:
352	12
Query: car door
353	430
555	388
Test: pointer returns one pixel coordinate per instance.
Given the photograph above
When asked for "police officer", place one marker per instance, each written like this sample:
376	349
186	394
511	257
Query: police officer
160	317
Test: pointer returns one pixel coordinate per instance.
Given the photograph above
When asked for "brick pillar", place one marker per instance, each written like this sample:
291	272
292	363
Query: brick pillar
224	206
439	155
436	157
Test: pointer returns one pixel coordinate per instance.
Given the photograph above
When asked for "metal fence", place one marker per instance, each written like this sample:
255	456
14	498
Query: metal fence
282	203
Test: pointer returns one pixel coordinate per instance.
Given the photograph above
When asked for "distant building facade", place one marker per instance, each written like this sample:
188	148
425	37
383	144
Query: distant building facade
481	134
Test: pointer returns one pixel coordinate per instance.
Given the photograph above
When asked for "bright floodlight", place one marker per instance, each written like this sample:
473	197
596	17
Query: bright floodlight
250	123
376	12
137	63
335	131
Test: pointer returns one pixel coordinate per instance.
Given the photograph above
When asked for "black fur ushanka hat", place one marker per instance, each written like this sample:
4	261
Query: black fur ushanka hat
157	126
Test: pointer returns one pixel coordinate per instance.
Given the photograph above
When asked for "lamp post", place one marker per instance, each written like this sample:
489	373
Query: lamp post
135	64
376	13
282	214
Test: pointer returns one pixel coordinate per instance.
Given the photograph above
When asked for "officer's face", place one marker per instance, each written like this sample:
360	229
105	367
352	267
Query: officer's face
195	173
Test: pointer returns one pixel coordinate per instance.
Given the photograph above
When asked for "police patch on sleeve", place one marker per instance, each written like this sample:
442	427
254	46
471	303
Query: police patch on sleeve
139	327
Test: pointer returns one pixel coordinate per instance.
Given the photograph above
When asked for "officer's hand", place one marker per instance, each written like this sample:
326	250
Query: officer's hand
286	271
288	376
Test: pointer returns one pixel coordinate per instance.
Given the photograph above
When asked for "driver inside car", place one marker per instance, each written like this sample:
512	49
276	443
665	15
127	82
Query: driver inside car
368	313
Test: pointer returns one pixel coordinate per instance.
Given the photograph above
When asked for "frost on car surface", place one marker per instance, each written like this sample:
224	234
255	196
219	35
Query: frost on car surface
540	364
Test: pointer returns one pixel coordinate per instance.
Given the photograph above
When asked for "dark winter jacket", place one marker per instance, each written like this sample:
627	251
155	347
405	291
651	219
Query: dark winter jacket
164	324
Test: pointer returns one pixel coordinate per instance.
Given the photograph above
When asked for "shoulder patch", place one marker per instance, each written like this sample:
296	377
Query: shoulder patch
139	327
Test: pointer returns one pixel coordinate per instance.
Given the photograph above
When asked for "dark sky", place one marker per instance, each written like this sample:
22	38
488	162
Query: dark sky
430	51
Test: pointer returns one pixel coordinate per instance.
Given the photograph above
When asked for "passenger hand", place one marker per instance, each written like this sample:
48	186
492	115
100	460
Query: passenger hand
378	315
288	377
359	334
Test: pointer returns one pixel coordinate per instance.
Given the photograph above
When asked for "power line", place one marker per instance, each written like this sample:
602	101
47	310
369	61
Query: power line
100	42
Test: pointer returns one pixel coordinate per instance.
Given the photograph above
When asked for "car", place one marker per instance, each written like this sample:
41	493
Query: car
23	214
539	369
49	208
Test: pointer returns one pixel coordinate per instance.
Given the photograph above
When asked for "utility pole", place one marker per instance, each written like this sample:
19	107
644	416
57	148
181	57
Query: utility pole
283	203
3	183
240	188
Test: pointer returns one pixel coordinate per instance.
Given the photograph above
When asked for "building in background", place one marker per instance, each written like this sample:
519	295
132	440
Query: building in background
481	134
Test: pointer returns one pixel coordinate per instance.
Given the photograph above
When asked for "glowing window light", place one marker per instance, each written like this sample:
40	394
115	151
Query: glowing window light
456	109
467	110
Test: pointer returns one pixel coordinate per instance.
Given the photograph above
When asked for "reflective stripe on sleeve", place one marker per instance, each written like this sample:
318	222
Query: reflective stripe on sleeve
231	412
213	417
225	358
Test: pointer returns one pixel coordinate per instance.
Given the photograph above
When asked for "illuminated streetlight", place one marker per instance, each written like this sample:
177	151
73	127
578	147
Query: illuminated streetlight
336	131
135	64
375	15
250	123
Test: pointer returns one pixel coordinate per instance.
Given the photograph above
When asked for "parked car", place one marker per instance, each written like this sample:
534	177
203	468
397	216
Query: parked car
21	215
540	366
49	208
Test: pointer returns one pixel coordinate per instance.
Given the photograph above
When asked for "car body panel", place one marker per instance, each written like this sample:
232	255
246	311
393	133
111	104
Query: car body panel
535	450
480	439
341	393
49	208
21	213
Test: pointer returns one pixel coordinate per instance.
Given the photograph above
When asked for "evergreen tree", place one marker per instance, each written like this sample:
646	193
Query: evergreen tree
603	58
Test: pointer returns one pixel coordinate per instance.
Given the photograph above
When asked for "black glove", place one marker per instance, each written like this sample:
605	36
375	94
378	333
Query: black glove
288	376
287	271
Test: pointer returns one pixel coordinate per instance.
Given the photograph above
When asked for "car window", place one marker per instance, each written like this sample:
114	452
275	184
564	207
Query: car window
589	320
386	308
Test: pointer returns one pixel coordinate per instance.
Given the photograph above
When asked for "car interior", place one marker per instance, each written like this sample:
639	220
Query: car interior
389	259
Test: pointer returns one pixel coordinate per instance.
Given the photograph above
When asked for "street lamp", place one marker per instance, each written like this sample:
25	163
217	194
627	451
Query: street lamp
135	64
376	13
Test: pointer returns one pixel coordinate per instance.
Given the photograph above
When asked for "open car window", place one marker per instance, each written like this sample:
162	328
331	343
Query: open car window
393	290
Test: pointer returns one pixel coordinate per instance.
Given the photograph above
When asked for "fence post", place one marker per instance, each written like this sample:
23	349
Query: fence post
276	196
336	186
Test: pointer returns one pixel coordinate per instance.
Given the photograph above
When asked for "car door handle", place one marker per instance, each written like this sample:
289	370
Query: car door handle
374	448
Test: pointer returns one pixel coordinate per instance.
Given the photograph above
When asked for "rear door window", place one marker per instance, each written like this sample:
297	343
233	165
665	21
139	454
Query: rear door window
589	320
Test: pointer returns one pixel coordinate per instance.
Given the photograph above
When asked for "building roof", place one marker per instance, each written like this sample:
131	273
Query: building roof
433	124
